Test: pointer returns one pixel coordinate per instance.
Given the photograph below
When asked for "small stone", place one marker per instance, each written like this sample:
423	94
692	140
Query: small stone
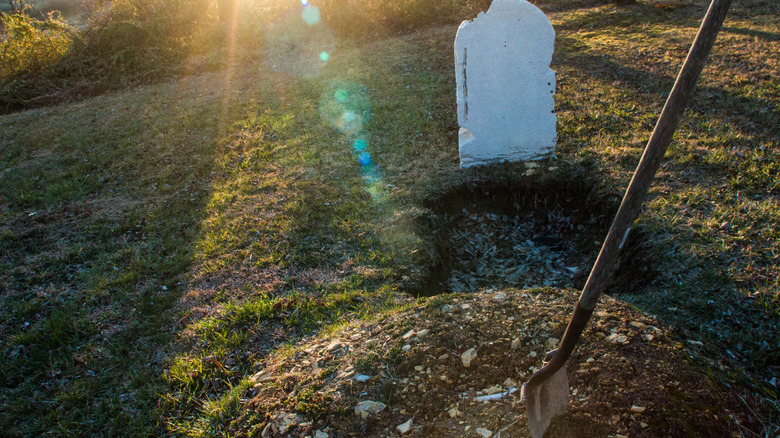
499	296
468	356
418	368
616	338
423	333
405	427
408	335
321	434
406	347
638	324
533	354
643	425
515	344
637	409
368	407
590	360
261	377
362	378
335	345
444	356
484	432
453	412
552	342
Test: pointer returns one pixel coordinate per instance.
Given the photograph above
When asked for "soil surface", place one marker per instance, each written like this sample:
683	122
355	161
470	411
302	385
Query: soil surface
406	374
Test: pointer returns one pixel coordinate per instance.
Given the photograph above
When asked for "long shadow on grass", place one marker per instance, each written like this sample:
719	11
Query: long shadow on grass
768	36
101	228
706	101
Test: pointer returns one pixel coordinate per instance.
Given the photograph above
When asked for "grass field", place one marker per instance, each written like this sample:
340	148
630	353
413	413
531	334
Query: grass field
156	244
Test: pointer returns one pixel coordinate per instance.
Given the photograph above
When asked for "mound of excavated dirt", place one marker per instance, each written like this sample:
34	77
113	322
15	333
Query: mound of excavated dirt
407	374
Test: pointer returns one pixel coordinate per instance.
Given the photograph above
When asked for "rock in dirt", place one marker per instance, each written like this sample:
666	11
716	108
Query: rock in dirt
321	434
280	424
335	345
368	407
484	432
468	356
262	376
405	427
637	409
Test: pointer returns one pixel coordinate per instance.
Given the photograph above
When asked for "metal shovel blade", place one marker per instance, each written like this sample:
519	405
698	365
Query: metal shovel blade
546	400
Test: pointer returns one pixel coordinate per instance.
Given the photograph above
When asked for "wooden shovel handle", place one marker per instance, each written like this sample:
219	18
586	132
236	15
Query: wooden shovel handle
640	184
654	153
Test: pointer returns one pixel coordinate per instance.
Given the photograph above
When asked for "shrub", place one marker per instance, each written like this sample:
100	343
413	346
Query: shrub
30	46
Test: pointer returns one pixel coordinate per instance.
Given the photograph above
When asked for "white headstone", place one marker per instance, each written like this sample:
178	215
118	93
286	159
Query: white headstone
505	85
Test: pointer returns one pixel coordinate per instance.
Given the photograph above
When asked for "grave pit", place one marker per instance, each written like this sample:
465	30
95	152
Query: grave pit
525	234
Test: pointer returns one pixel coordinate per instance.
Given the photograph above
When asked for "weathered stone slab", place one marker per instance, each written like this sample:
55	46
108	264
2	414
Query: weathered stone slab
505	85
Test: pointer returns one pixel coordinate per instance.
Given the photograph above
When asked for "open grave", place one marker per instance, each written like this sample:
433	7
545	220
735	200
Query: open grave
534	231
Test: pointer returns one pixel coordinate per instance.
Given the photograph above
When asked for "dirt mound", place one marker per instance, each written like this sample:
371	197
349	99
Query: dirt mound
629	376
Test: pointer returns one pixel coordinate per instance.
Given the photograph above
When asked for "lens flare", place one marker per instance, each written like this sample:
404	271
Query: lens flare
341	95
364	159
297	44
359	145
311	15
346	107
305	2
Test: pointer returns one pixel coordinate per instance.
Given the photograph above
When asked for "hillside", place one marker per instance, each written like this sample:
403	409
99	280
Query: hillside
216	255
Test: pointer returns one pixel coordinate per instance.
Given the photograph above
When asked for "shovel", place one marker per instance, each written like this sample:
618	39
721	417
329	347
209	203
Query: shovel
547	392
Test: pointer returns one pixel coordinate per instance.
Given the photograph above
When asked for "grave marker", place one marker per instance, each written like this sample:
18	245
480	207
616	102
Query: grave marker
505	85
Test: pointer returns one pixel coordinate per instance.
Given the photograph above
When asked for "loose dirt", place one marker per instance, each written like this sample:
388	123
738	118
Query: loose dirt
630	376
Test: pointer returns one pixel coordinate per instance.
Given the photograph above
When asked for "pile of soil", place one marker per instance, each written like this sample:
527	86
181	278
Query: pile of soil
406	375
